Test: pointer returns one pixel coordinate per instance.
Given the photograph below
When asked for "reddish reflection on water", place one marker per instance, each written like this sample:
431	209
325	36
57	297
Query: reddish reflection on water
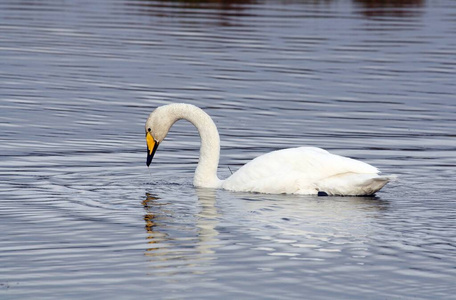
236	8
390	8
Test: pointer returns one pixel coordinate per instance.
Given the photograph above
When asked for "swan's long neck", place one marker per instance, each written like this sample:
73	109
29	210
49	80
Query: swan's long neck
206	171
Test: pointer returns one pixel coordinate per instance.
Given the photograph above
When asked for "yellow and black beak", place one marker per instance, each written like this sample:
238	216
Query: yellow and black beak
151	148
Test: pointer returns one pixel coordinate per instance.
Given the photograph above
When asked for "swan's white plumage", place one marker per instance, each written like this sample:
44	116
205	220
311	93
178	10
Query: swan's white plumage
304	170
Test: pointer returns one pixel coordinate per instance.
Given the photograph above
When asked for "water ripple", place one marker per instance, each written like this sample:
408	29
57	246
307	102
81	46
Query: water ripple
82	216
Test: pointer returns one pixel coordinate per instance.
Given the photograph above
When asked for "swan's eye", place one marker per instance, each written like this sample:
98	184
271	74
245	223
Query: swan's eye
148	129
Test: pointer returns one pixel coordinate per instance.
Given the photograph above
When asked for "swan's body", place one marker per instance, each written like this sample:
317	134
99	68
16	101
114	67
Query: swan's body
304	170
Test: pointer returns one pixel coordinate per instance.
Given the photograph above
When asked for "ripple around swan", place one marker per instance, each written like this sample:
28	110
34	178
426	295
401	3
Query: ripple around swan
82	217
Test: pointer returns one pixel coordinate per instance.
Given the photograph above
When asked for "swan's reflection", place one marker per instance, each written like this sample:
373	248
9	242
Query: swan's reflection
306	228
152	220
309	227
176	248
207	221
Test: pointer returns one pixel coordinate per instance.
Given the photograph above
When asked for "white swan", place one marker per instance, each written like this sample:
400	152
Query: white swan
304	170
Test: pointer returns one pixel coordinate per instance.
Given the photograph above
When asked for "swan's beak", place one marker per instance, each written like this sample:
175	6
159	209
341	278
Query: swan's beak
151	148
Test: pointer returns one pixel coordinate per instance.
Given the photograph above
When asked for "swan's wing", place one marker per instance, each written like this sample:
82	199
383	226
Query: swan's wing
287	170
311	162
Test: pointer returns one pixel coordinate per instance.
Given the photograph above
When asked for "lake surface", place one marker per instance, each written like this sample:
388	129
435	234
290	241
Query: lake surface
82	217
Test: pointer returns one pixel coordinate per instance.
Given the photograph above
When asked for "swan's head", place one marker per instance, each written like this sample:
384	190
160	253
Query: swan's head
157	127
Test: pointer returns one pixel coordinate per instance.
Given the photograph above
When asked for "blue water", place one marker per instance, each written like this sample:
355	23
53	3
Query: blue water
82	217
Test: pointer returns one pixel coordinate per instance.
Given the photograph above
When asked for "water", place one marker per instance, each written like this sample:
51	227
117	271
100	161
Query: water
81	217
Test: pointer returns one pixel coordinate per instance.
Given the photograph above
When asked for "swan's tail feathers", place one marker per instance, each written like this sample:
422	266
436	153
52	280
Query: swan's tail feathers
386	178
353	184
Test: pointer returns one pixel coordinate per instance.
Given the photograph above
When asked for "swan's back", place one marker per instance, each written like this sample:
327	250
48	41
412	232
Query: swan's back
306	170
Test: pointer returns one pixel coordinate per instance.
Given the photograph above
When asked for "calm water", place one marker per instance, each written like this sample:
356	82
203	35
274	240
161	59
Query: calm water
81	217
